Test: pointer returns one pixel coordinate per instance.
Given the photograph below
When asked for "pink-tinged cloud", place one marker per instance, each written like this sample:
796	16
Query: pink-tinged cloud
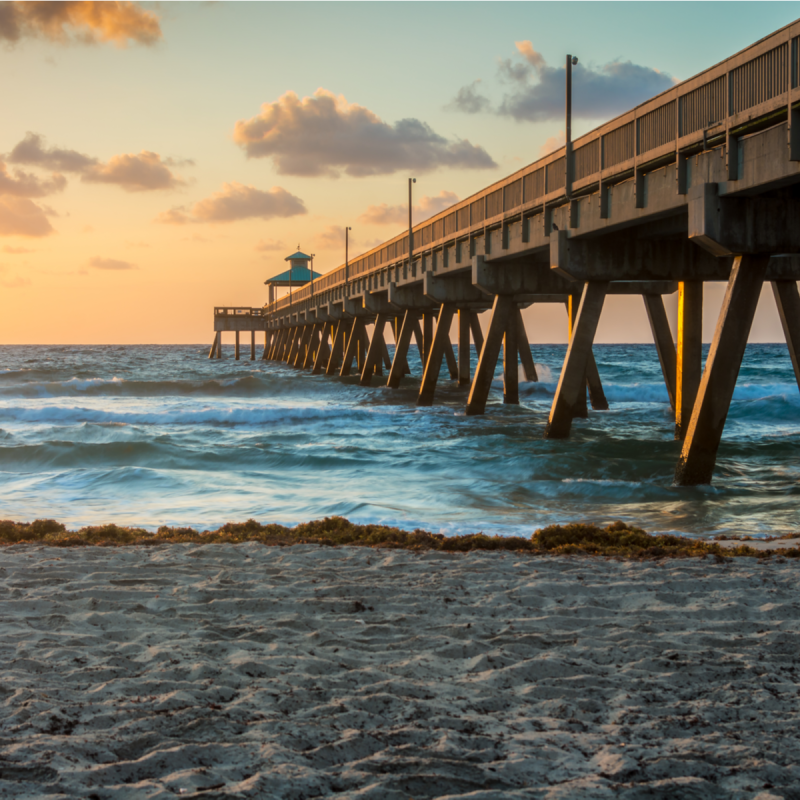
326	135
133	172
237	202
552	144
269	246
141	172
19	216
110	263
384	214
79	22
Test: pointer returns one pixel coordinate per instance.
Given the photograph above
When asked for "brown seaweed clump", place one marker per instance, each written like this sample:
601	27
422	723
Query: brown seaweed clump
619	539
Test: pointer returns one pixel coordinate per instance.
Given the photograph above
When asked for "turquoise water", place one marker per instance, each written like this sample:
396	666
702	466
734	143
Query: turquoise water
153	435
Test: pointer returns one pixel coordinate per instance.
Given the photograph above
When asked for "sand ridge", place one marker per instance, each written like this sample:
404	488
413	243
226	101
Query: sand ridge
300	672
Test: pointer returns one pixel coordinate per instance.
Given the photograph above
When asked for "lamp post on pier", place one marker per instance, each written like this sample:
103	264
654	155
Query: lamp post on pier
347	258
410	224
568	172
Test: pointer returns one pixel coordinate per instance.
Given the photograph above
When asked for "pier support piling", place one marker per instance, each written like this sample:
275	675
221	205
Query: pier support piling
510	355
402	342
351	349
524	347
375	351
788	301
212	352
689	363
305	343
570	397
699	453
252	345
323	351
463	347
236	355
502	309
313	345
662	336
581	408
438	348
337	349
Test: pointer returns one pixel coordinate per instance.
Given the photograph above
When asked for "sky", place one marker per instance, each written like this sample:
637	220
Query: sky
158	159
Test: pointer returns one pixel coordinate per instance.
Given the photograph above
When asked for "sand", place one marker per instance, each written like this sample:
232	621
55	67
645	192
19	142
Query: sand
245	671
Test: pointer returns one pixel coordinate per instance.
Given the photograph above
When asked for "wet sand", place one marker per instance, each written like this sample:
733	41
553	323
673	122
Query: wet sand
300	672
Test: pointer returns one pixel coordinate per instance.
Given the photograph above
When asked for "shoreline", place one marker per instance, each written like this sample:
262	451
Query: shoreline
619	539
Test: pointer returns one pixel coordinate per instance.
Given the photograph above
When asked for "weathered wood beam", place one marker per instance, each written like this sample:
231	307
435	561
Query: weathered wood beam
375	350
524	347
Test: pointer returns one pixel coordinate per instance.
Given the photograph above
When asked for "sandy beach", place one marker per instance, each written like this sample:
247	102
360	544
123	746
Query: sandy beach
306	671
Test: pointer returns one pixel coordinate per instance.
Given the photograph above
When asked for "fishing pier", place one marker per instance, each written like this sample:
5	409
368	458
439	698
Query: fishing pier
700	183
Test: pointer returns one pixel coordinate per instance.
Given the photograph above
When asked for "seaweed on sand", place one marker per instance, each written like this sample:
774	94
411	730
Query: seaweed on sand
618	539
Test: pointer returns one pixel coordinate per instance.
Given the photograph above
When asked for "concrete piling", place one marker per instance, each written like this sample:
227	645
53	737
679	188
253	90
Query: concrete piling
665	347
484	374
463	347
570	397
437	349
402	343
689	362
510	354
236	352
704	431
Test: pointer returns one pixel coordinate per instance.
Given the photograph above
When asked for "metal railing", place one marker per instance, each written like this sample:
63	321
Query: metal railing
238	311
750	85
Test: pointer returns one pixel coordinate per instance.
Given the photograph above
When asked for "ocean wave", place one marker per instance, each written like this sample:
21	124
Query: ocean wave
121	387
223	415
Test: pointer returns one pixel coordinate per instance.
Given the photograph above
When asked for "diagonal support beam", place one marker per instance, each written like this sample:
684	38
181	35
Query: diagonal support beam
375	351
313	345
420	342
305	343
450	357
662	336
323	351
502	308
788	301
337	350
699	453
213	349
572	382
689	367
510	354
437	350
477	333
463	347
351	350
524	347
399	363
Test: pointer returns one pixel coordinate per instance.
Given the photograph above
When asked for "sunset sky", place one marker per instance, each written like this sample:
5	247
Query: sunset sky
157	159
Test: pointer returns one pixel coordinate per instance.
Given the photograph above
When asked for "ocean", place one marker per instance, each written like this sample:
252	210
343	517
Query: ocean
161	435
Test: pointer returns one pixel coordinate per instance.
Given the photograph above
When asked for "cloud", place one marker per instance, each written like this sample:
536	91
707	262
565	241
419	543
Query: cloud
535	90
140	172
269	246
134	172
384	214
81	22
236	202
15	282
24	184
468	100
17	251
597	92
552	144
21	217
31	151
326	135
110	263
